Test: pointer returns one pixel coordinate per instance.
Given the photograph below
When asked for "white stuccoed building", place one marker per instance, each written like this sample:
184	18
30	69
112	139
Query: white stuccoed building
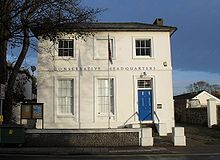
74	75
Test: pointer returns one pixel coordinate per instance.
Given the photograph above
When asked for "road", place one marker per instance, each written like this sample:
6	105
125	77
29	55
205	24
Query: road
110	157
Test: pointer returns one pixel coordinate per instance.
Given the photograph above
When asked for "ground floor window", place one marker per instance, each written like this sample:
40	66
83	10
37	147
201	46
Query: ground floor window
105	102
65	96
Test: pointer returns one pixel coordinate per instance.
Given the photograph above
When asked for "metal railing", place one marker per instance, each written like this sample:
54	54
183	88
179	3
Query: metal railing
158	119
136	113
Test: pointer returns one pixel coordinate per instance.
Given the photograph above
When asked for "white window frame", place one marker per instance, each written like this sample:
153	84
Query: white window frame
97	109
65	57
113	51
74	110
145	56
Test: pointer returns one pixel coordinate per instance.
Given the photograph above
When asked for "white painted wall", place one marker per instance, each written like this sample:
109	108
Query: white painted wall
204	96
85	114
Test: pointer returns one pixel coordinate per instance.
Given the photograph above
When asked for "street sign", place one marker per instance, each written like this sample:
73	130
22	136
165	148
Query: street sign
38	111
2	91
26	111
32	111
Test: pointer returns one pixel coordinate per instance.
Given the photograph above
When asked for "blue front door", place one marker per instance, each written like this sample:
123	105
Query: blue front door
145	104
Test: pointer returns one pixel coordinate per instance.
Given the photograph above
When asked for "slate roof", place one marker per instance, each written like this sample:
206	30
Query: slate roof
187	95
112	26
127	26
193	94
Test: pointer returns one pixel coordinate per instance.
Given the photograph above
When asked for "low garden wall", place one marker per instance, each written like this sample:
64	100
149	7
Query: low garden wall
82	138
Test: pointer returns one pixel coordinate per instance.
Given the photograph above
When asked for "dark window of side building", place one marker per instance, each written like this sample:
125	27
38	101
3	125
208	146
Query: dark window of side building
66	47
143	47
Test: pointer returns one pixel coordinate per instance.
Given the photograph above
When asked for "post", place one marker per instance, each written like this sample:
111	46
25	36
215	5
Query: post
109	88
1	116
211	112
178	136
109	107
2	97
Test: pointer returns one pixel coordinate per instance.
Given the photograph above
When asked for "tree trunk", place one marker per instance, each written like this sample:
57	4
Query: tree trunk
3	63
8	103
4	37
5	21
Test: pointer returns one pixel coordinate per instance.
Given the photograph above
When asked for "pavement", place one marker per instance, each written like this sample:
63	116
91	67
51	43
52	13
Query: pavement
200	141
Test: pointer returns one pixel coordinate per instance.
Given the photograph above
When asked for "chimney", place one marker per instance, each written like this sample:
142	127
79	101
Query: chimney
158	22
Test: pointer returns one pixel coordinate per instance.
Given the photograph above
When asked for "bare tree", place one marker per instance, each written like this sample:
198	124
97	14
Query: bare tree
215	88
202	86
19	17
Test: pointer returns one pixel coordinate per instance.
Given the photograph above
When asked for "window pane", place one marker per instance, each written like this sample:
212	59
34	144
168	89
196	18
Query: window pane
65	44
105	92
112	105
68	84
138	50
69	92
65	52
143	52
60	44
148	43
144	83
148	51
71	52
137	43
59	92
70	44
143	43
63	84
60	52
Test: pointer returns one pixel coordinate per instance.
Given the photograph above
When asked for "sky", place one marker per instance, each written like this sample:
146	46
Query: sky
195	45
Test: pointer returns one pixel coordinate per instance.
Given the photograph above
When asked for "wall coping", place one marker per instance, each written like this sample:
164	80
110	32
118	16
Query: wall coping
60	131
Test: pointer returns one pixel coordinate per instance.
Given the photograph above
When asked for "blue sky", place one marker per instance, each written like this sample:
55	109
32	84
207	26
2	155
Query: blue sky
195	45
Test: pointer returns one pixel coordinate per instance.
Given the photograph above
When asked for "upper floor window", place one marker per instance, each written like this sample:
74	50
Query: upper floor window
101	48
66	47
143	47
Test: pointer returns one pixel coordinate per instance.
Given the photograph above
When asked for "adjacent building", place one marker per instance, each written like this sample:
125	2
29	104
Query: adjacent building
81	88
197	107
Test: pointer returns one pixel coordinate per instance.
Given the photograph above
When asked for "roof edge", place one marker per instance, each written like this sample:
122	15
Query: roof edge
105	26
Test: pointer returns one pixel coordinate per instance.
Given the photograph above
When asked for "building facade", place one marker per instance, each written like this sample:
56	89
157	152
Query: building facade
81	89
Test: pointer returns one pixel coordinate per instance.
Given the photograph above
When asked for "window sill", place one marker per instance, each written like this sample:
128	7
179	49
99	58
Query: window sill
105	115
65	58
65	116
96	58
143	57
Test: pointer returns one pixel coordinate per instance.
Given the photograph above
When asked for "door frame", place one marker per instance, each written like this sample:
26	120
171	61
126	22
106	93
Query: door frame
135	108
